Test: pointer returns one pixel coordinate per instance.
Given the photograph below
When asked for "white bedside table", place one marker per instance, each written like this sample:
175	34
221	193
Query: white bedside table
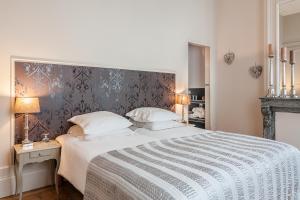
41	151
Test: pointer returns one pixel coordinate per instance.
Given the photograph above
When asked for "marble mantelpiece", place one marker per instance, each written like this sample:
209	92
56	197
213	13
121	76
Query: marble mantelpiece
269	106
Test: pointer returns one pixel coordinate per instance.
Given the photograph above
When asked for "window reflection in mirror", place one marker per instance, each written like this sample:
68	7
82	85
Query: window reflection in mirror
290	34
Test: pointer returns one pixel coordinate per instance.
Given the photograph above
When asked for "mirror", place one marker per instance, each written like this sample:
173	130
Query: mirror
289	35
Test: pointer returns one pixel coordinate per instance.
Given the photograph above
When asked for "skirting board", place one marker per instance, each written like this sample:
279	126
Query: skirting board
34	176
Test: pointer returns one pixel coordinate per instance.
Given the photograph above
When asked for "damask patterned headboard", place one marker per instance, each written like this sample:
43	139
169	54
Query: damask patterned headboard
68	90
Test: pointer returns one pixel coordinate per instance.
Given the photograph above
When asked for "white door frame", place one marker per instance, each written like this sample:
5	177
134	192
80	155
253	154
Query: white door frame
208	115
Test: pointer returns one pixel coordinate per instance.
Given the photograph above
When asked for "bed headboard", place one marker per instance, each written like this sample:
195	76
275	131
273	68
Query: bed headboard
68	90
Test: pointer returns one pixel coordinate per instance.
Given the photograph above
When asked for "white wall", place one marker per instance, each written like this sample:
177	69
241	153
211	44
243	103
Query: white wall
291	28
196	67
240	28
291	34
133	34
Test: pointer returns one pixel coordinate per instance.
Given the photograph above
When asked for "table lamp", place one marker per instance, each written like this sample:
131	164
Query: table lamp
27	105
182	99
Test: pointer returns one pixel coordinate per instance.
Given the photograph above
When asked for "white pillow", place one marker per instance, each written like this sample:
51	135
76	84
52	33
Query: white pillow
100	122
149	114
76	131
156	126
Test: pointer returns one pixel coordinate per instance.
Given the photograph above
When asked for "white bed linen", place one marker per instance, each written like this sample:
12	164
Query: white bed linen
170	133
77	153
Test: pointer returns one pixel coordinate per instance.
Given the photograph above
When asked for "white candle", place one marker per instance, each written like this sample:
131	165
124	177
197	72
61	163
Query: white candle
292	57
270	51
283	54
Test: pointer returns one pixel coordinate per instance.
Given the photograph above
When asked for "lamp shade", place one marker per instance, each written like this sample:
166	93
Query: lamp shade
27	105
182	99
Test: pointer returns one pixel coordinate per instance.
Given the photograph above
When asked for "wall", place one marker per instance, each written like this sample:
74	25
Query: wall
291	34
291	28
196	67
133	34
240	28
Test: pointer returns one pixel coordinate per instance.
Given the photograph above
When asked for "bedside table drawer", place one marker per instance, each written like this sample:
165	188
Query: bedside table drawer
37	154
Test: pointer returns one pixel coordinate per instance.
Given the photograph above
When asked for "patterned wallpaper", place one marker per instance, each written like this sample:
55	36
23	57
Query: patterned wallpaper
67	90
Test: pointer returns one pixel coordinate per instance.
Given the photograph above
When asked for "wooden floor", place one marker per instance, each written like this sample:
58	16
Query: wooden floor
67	192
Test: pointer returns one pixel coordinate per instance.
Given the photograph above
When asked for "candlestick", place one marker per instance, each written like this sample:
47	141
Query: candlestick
283	86
283	61
271	90
292	62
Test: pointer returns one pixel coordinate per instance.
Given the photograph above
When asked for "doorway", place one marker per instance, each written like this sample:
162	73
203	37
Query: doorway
199	85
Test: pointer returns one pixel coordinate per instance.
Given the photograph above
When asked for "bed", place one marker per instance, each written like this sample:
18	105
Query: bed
176	163
180	163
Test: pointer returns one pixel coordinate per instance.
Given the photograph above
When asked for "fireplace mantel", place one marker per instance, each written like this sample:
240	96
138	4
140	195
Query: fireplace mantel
269	106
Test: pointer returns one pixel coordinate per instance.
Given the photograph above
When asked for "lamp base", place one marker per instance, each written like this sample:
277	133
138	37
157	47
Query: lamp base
183	121
27	144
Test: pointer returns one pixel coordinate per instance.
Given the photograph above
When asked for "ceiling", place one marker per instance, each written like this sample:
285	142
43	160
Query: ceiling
289	7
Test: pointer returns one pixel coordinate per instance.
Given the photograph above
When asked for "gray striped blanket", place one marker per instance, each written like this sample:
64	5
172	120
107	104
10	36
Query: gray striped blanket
207	166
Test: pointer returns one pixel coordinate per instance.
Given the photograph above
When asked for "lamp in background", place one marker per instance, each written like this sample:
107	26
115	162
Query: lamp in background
27	105
183	100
